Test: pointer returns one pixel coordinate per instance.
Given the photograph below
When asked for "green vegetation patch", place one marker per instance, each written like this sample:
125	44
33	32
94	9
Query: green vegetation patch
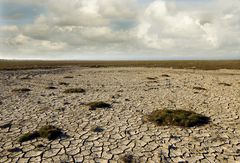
75	90
178	118
48	131
98	104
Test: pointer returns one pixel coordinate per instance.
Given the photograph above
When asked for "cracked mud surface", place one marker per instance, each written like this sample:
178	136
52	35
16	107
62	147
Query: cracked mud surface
106	135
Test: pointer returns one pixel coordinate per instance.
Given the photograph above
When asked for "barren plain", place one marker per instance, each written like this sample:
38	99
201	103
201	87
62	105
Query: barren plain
119	133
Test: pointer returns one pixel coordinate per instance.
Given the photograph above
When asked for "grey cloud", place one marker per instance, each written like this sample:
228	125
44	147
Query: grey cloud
162	28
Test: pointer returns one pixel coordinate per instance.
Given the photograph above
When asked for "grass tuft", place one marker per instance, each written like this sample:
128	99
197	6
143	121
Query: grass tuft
178	118
75	90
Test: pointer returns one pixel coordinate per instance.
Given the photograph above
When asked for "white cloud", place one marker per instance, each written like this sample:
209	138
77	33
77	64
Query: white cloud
8	28
124	9
158	27
164	26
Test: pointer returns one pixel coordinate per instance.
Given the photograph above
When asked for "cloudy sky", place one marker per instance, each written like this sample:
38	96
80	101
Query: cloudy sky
120	29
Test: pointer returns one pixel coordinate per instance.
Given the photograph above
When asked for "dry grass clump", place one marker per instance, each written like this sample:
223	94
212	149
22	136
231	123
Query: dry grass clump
98	104
48	131
21	90
177	118
75	90
200	88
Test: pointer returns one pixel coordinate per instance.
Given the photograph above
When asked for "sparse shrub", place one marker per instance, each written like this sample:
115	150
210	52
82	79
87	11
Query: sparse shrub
68	77
4	126
51	87
48	131
152	78
14	150
98	104
40	146
178	118
225	84
63	83
25	78
97	129
21	90
75	90
165	75
200	88
152	81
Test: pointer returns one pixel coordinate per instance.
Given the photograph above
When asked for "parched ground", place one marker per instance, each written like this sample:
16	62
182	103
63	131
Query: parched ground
133	93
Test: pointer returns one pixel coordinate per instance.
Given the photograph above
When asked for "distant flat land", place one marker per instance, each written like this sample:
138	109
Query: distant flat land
180	64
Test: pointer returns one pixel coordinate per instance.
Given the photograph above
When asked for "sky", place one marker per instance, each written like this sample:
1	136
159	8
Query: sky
119	29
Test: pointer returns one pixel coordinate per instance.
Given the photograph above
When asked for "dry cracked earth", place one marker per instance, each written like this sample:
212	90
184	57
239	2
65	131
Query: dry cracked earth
123	134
